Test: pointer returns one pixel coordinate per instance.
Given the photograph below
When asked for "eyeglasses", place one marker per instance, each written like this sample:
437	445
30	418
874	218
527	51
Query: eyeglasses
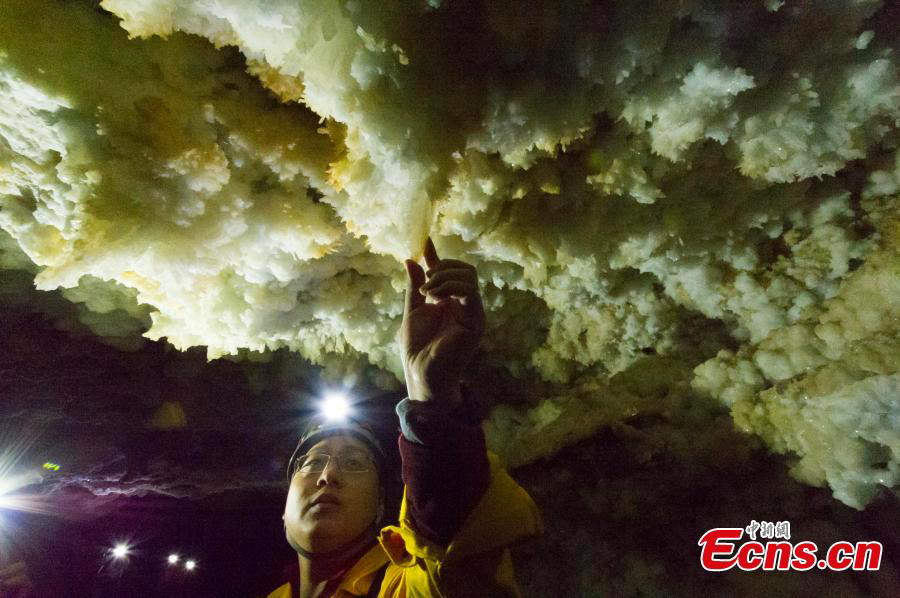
349	461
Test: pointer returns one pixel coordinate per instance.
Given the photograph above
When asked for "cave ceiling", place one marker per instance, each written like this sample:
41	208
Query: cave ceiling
676	210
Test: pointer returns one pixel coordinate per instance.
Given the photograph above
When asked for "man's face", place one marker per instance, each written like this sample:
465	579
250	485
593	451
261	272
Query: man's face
328	509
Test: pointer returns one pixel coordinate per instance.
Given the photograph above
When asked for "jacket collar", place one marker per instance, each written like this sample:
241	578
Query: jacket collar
359	577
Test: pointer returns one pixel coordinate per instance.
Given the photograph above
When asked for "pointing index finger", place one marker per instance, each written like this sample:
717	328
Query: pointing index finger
416	277
431	256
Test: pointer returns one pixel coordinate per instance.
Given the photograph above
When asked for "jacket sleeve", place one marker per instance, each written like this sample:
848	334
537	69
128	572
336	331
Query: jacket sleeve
445	468
476	563
458	499
460	514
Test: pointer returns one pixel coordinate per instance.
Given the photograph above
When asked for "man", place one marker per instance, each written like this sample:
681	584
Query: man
460	510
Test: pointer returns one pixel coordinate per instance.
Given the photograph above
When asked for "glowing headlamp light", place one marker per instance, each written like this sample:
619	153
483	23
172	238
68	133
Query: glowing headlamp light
335	407
120	551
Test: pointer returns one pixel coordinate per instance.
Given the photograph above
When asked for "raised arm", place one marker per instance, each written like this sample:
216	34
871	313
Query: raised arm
445	465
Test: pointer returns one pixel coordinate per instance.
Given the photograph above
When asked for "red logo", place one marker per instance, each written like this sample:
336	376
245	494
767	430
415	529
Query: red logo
720	551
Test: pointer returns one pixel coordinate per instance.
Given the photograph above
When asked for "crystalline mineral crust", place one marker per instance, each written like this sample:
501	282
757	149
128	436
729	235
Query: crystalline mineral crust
665	202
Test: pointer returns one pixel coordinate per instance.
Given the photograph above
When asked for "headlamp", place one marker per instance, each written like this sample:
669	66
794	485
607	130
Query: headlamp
335	407
335	416
120	551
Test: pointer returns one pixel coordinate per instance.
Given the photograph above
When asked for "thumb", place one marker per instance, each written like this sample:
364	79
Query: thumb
416	277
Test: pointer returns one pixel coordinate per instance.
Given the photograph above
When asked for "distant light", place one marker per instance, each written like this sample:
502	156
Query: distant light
28	503
173	558
50	466
120	551
335	406
10	483
190	564
17	473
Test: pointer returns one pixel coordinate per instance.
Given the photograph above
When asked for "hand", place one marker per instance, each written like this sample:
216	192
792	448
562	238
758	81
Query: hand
437	340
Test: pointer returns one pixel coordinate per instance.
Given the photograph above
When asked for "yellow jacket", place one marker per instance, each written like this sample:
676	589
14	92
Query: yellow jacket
475	564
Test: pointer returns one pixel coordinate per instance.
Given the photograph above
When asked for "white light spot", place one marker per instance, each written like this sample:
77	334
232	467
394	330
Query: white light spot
335	406
190	564
120	551
173	558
